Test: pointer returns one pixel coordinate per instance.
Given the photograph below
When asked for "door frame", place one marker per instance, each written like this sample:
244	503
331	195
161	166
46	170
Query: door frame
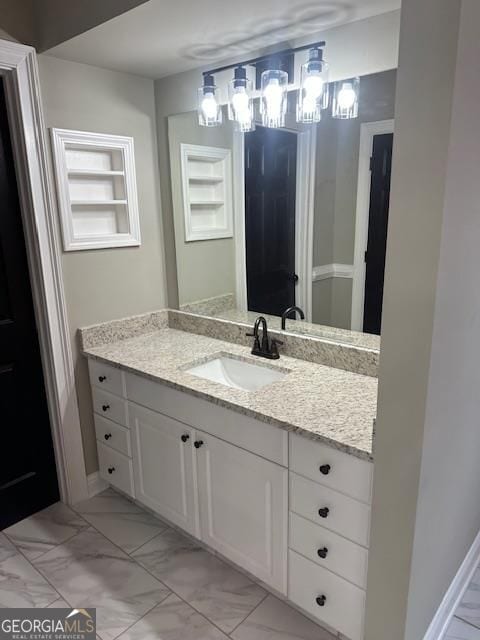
18	66
304	214
367	132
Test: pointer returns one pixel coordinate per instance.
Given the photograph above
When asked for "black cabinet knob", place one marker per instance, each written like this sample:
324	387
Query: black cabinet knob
323	552
197	444
105	407
107	436
323	513
185	437
321	600
102	378
111	470
325	469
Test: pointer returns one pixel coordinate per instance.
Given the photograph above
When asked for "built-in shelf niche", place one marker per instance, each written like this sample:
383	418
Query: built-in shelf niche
207	192
97	192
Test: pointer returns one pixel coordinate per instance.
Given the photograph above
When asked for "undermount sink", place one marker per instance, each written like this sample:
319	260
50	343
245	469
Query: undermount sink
237	373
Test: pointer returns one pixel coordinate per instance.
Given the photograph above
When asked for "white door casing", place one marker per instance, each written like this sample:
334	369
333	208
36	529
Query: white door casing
18	66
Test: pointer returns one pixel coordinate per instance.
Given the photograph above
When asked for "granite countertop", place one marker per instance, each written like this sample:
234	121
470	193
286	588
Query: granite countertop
322	403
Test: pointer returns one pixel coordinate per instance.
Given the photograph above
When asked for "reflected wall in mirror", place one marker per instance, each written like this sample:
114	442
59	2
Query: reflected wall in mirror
295	216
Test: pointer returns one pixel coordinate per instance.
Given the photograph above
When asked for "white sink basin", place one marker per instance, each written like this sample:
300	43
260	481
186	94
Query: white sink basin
237	373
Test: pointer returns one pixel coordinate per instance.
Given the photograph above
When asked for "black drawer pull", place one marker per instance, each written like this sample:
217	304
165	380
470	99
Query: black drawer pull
102	378
325	469
197	444
105	407
321	600
111	470
107	436
185	437
323	513
323	552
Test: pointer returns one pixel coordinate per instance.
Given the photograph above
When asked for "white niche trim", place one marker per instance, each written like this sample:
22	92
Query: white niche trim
97	189
207	192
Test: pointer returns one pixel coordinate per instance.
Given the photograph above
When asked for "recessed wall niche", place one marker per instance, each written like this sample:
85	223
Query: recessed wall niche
97	191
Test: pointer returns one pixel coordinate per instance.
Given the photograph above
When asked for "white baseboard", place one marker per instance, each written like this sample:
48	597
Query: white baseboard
454	594
335	270
95	484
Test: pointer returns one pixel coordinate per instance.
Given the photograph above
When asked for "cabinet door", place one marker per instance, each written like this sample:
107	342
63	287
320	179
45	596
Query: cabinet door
244	508
164	466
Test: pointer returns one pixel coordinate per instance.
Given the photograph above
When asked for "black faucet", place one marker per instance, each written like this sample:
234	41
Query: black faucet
286	313
267	348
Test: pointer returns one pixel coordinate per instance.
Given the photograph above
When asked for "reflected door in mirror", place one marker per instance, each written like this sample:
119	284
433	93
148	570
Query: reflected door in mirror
381	167
270	191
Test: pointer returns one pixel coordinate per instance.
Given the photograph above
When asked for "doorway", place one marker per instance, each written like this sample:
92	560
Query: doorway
270	195
28	477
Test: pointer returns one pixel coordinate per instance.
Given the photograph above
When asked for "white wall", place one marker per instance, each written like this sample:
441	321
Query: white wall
108	283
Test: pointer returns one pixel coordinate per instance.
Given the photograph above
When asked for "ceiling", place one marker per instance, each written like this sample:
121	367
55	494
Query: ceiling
161	38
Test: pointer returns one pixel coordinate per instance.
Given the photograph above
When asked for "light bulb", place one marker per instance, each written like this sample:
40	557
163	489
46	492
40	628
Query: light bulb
313	86
209	106
273	96
346	96
241	104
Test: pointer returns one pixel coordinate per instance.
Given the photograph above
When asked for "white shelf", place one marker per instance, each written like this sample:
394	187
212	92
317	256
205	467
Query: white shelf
206	179
97	191
96	203
207	192
93	173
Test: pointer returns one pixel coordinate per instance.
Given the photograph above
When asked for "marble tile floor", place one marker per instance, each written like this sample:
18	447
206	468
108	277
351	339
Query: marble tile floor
149	582
146	580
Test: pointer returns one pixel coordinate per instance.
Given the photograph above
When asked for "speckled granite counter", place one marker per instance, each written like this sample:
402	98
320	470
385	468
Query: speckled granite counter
323	403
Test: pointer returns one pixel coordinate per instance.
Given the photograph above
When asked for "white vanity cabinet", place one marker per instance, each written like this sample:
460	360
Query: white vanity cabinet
291	511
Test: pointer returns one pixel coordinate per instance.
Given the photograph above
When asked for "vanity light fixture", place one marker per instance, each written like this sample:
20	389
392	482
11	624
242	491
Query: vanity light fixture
273	104
313	92
240	104
209	107
272	79
345	99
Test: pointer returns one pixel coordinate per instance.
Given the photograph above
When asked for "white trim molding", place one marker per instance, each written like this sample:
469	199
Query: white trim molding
96	484
367	132
18	65
333	270
452	598
238	163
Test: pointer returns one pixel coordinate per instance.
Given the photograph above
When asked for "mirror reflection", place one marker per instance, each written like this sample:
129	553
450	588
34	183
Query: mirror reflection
288	221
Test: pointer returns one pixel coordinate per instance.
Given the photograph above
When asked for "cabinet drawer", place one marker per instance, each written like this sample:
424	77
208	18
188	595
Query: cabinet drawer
345	558
339	513
265	440
331	467
115	468
109	406
344	606
113	435
106	377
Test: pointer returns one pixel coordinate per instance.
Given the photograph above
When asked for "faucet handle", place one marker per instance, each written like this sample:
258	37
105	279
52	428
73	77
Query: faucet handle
274	347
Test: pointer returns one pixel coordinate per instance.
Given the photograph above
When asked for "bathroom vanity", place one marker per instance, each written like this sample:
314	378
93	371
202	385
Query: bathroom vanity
276	479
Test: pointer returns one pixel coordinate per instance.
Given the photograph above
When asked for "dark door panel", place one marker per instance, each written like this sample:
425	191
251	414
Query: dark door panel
381	169
270	190
28	480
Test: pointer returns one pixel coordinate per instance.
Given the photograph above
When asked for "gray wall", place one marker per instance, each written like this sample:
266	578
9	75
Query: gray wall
106	284
426	509
205	268
336	179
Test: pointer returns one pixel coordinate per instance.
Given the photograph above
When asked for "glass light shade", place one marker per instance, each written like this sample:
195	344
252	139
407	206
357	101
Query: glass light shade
240	104
313	92
209	107
273	105
345	99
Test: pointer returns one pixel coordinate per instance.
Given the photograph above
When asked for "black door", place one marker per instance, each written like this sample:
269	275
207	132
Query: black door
270	183
381	168
28	480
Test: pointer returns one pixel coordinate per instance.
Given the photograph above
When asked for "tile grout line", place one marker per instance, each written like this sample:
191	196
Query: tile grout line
247	616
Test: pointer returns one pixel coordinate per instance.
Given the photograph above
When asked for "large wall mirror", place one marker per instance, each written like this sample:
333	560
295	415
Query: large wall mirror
295	216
